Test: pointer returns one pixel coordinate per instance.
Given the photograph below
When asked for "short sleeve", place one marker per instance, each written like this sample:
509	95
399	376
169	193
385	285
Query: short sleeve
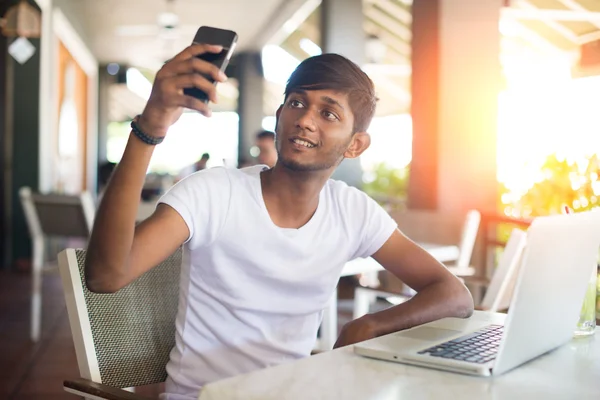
202	200
372	225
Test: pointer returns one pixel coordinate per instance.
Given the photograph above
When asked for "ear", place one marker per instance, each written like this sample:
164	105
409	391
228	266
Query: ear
360	142
277	113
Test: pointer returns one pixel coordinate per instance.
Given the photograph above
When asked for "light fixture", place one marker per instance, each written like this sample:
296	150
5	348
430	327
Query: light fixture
21	20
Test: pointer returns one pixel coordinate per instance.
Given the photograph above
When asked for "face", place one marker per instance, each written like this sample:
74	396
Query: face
314	131
268	153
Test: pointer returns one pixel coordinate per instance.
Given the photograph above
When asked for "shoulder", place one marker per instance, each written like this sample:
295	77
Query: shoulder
212	176
345	195
202	184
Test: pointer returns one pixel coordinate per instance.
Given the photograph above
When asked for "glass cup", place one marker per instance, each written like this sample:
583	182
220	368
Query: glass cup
587	317
598	295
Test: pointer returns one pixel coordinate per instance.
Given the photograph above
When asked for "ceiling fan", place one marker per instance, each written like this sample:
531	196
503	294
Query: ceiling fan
167	26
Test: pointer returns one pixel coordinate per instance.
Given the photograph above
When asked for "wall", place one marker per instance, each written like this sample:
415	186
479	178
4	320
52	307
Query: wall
73	178
32	92
25	145
75	11
3	191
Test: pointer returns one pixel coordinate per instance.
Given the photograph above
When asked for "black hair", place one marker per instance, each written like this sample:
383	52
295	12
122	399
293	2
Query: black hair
336	72
265	135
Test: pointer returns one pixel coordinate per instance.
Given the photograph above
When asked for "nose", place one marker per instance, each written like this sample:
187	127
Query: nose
306	121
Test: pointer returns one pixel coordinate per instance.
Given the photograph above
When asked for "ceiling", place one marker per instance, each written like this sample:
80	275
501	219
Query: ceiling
540	26
555	27
127	31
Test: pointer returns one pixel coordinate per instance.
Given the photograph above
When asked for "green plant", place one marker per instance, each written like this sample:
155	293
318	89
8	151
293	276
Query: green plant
386	182
564	183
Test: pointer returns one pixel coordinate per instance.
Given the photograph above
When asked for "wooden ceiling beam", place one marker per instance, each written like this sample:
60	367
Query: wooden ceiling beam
402	31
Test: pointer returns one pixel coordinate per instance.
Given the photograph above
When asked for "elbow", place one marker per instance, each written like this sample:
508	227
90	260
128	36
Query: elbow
95	286
100	282
464	302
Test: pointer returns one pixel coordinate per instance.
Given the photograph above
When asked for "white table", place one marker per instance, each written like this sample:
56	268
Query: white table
569	372
442	253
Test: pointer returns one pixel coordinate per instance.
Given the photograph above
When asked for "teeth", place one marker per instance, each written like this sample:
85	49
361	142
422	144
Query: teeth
303	143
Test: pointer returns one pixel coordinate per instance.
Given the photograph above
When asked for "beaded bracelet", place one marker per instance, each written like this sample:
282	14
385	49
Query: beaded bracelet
151	140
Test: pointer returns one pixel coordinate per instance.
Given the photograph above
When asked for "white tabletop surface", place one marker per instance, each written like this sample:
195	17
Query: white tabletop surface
569	372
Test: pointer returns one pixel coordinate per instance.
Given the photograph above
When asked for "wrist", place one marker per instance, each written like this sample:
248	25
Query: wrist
140	133
149	128
371	323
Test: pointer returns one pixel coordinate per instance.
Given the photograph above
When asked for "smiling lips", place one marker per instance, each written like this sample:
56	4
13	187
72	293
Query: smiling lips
304	143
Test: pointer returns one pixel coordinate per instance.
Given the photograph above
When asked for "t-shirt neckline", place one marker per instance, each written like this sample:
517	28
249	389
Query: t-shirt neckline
263	206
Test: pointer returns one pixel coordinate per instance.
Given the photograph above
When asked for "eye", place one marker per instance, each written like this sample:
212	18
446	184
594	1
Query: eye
296	104
330	116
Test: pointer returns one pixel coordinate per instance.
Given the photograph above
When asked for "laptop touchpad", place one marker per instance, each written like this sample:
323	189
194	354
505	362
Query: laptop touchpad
428	334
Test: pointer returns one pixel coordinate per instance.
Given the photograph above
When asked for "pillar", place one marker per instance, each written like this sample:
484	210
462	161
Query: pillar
342	32
247	68
455	86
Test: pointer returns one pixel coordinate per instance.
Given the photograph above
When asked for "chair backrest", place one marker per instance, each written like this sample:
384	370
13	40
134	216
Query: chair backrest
433	226
468	239
499	292
122	339
430	226
58	215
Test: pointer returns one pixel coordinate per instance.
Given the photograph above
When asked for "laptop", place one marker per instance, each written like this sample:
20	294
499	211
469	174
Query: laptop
557	262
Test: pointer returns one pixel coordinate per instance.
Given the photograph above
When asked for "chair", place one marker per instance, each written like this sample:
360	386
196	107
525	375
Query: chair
497	296
500	289
365	296
121	339
52	215
462	266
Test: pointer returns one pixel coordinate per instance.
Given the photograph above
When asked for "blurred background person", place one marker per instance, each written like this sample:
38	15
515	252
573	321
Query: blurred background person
195	167
265	142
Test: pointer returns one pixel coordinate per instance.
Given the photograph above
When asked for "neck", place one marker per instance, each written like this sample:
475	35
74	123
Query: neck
292	197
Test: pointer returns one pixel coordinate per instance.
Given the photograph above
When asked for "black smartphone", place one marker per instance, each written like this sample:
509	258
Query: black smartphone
210	35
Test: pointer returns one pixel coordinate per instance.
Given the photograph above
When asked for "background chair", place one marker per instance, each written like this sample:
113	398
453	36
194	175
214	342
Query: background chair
500	289
121	339
426	227
462	266
52	216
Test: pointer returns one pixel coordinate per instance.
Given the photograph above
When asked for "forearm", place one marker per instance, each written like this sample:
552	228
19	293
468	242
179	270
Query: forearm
114	225
448	298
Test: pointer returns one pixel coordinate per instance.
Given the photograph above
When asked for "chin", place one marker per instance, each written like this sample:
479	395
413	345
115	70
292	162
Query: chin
297	166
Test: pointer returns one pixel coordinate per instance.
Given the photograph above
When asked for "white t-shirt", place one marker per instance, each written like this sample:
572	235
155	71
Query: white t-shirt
252	293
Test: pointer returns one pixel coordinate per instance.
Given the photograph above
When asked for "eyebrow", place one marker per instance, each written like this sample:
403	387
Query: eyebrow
331	101
327	99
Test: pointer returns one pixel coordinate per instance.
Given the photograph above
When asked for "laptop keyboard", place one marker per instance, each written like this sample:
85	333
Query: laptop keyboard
477	347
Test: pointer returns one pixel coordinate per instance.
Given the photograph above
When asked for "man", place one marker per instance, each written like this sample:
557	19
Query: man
263	247
199	165
265	142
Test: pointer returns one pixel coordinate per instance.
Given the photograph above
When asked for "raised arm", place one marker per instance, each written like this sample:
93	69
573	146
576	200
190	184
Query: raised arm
118	251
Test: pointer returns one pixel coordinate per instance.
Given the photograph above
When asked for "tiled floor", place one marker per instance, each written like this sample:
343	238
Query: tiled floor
36	371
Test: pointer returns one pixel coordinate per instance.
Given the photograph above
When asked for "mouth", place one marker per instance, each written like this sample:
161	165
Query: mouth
303	143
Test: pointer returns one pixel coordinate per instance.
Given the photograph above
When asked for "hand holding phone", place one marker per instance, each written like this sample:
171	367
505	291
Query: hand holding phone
167	100
214	36
188	80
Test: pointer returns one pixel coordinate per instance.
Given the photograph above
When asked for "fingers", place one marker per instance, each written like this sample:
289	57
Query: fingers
198	81
195	50
194	104
186	70
169	92
199	66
